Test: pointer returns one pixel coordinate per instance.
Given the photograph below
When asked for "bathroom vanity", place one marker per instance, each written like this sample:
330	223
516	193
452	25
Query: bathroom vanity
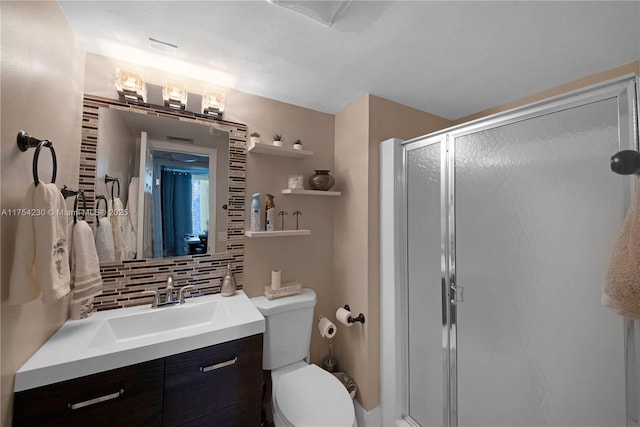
199	363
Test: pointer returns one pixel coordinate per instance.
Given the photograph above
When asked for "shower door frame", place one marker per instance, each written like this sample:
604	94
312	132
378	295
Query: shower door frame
394	259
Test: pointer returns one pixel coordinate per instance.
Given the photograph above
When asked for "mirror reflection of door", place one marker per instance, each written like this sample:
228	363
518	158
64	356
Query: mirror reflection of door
127	141
183	190
144	200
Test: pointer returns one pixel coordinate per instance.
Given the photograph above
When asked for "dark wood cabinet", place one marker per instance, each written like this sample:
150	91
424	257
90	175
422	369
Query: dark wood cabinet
193	395
220	385
129	396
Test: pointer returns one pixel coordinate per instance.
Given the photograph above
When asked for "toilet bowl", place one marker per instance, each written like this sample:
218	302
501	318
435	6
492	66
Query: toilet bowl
302	394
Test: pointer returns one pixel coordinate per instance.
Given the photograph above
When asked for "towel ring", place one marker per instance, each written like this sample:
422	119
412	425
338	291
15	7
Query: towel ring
106	207
75	207
68	192
25	141
113	180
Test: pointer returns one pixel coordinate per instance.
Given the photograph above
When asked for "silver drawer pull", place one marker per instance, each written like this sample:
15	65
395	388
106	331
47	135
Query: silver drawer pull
90	402
219	365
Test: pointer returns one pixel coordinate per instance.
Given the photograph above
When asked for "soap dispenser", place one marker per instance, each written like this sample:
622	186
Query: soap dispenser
228	287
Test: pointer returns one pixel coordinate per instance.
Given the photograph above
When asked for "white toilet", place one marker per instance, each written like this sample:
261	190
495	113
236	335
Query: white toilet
303	394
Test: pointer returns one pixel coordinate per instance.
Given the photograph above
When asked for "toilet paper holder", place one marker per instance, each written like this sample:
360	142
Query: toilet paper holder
351	319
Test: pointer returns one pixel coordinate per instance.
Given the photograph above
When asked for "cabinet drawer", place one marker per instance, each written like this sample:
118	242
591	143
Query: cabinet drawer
217	385
129	396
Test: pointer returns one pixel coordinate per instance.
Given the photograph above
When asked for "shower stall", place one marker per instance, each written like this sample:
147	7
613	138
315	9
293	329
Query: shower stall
495	240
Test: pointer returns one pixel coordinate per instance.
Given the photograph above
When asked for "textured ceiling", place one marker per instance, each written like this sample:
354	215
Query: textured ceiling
449	58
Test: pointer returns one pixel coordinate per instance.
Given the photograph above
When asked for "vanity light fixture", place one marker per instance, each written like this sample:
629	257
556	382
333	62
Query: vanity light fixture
131	86
213	103
174	95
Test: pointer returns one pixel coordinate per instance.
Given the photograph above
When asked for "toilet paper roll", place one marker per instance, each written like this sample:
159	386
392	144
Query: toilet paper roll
275	279
327	328
342	315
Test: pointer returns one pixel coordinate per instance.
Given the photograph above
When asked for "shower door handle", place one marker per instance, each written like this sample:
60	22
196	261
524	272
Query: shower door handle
457	294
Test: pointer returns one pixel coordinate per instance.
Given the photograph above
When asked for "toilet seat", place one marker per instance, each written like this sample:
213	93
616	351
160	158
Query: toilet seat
311	396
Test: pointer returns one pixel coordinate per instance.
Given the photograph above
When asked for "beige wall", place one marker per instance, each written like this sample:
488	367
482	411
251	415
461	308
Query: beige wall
41	91
359	129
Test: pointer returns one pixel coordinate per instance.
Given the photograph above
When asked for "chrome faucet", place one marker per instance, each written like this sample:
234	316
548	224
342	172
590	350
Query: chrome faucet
169	300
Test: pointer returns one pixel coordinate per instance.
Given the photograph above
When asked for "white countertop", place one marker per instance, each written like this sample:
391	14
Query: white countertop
82	347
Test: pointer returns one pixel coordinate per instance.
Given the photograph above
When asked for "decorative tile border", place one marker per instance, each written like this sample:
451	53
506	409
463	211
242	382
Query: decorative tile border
126	283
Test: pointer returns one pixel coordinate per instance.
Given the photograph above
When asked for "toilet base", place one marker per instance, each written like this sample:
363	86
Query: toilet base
267	400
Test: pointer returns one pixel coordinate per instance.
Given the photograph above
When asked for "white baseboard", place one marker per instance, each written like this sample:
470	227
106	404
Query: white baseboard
372	418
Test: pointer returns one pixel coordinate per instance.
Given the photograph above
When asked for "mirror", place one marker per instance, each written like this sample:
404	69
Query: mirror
212	151
182	171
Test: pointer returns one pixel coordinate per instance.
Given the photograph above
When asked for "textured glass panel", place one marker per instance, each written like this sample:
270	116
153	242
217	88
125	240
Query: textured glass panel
424	276
537	213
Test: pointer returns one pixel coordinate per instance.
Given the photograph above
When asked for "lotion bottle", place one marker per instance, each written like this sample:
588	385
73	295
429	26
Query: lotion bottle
270	214
255	212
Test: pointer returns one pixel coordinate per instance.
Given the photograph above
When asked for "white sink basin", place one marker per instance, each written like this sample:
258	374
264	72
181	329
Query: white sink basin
112	339
138	326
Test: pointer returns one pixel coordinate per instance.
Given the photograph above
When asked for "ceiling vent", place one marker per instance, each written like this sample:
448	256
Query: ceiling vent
325	12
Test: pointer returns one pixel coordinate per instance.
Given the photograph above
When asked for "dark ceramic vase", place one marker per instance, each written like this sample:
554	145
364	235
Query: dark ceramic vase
321	180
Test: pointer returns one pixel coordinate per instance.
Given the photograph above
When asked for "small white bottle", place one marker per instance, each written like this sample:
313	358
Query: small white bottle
255	212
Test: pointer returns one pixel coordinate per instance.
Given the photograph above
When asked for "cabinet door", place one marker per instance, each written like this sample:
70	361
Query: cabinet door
130	396
219	385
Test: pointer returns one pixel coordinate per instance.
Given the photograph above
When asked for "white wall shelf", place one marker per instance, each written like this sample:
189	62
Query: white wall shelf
311	192
278	233
273	150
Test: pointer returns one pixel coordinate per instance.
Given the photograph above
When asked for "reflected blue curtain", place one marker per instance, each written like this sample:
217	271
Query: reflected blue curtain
176	211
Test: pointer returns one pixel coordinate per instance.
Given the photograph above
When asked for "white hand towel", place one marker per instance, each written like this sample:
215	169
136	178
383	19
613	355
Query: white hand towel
104	241
23	286
85	266
622	289
52	253
41	259
119	223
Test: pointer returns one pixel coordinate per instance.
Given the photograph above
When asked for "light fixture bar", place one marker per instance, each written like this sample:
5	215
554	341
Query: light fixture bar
163	46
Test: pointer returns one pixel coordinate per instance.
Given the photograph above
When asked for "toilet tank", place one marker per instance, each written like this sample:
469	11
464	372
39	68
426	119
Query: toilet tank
288	323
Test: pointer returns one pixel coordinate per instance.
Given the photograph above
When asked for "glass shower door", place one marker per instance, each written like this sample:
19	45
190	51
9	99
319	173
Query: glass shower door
425	378
536	212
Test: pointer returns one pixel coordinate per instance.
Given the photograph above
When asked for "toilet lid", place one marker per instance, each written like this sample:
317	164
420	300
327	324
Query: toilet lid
311	396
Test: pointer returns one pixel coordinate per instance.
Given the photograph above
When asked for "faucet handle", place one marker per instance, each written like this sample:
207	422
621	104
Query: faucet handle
169	288
182	290
156	297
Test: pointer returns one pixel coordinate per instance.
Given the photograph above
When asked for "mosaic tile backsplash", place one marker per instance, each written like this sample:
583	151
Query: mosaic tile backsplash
126	283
